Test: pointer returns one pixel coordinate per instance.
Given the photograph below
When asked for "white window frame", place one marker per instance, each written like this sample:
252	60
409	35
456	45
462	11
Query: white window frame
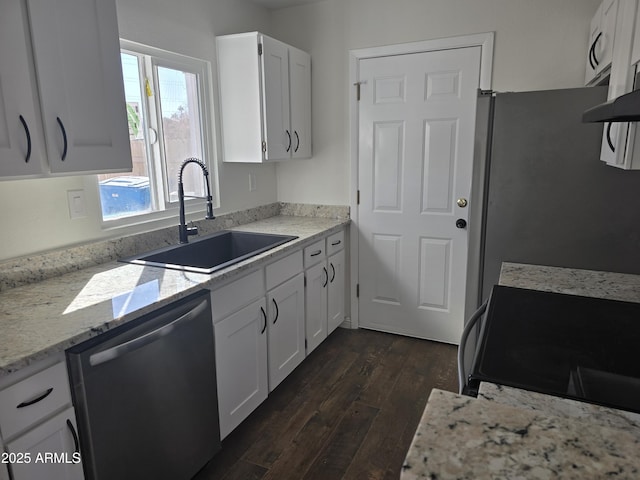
155	57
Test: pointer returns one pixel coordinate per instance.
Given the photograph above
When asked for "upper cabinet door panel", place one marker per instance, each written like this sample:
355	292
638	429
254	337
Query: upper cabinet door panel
300	76
21	138
275	84
77	58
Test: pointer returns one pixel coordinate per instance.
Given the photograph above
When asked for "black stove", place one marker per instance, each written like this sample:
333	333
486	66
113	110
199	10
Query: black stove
565	345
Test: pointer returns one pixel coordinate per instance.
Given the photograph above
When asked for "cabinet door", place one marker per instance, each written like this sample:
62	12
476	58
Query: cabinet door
300	87
286	329
275	92
77	58
241	364
21	137
316	305
52	448
594	36
336	290
603	50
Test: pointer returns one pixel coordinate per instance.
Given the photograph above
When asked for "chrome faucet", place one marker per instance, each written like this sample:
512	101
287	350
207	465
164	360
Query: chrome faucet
185	231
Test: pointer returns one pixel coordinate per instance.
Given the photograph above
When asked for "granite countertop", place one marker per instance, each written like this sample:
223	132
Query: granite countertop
47	317
509	433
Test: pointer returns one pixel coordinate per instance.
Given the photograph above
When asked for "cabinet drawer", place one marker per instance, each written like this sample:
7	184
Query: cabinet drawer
33	399
314	253
235	295
335	242
284	269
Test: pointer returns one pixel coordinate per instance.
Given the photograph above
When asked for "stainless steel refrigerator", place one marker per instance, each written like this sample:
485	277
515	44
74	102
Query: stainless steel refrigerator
548	199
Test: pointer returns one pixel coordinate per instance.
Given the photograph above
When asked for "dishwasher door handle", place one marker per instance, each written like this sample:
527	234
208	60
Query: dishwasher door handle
139	342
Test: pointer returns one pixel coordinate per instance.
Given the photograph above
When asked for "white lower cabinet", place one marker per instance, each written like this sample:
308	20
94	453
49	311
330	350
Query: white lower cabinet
50	450
325	278
286	329
38	424
317	278
336	293
241	364
259	336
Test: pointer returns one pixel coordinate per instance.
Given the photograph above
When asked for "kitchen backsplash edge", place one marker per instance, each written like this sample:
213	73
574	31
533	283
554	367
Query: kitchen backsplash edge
35	268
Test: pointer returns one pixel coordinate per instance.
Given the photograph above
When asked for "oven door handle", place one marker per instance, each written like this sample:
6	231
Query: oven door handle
462	376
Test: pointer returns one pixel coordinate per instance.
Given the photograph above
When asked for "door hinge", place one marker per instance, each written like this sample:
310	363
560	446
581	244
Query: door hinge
357	290
358	197
264	146
259	49
357	85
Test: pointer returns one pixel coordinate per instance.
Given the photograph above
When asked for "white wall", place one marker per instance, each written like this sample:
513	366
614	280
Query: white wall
34	214
539	45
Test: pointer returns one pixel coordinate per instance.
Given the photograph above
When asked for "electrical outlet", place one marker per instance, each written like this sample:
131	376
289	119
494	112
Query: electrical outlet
77	206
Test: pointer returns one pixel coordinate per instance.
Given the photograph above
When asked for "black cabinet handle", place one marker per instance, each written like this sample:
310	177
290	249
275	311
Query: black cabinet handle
264	315
338	242
297	140
316	253
613	149
326	277
28	134
593	49
277	310
37	399
76	443
288	146
333	272
64	137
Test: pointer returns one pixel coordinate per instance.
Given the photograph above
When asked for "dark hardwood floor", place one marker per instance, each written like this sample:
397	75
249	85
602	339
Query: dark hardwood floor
349	411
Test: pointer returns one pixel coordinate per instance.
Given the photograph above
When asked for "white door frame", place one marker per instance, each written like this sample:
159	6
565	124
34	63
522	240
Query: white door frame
482	40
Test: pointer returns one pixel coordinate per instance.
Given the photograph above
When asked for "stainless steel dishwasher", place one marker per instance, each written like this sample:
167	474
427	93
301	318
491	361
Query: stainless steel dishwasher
145	395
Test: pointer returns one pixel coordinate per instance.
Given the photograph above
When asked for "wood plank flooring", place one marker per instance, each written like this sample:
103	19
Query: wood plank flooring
349	411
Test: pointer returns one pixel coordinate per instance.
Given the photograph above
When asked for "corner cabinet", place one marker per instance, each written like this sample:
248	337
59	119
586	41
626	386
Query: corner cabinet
265	99
62	104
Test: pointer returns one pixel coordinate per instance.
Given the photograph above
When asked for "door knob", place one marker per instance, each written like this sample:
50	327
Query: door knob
462	202
461	223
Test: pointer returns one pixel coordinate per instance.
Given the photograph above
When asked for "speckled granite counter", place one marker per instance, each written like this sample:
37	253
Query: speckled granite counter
472	438
508	433
47	317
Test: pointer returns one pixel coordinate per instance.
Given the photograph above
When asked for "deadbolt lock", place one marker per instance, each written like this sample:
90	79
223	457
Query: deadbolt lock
462	202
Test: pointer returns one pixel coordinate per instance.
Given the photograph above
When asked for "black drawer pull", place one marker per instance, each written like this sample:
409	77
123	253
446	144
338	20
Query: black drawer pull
316	253
337	242
37	399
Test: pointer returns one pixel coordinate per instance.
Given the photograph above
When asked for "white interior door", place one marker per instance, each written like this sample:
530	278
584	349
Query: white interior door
416	132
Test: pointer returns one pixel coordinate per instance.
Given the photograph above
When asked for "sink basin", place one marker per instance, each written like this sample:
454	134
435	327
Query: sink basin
211	253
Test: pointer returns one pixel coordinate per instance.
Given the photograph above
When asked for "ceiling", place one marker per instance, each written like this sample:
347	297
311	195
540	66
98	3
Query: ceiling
274	4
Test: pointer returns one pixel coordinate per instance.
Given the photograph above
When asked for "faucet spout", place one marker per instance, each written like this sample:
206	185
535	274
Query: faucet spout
185	231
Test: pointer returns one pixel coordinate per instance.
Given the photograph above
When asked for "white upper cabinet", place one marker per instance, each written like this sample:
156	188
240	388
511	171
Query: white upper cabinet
77	56
265	99
619	137
21	138
61	75
601	40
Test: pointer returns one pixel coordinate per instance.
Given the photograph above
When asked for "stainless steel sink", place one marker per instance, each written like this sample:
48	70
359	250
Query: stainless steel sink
211	253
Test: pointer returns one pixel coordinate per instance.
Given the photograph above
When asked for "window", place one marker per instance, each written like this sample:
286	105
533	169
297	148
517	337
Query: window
167	99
